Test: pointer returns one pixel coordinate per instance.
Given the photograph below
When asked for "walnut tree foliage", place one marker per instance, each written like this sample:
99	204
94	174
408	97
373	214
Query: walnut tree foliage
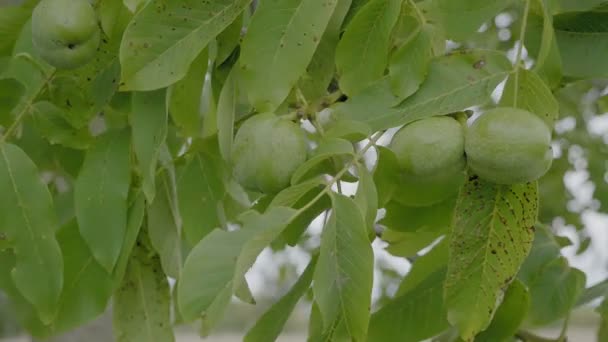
143	140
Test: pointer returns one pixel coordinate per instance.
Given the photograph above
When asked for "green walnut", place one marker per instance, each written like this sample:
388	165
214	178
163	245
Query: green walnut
509	146
430	154
266	152
65	33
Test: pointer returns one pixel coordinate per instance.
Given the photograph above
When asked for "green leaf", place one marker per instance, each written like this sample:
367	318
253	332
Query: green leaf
320	71
149	129
88	287
142	304
200	191
414	316
583	43
185	97
545	249
409	64
348	130
578	5
461	19
401	218
327	149
526	90
455	82
165	37
226	112
492	235
12	20
550	302
362	53
113	15
11	92
407	244
366	198
19	307
602	333
271	323
343	277
222	257
100	196
540	41
163	229
228	40
134	224
29	222
509	314
50	123
425	266
385	174
280	42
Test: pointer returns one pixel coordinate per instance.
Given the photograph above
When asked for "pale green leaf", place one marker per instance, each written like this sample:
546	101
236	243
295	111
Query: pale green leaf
526	90
28	222
460	19
509	314
113	15
493	229
50	123
409	64
410	219
540	41
165	37
578	5
200	192
320	71
163	228
343	277
407	244
270	324
583	43
215	312
280	42
455	82
142	303
226	112
100	194
223	257
134	224
425	266
185	97
87	286
290	196
327	149
149	121
362	53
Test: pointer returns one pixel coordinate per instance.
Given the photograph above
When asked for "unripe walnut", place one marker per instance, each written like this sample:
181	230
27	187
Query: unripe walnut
430	153
266	152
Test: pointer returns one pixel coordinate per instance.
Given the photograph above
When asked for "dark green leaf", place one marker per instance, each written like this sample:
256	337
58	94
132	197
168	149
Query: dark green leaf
366	198
270	324
509	314
226	112
50	123
583	43
409	64
100	195
228	40
134	224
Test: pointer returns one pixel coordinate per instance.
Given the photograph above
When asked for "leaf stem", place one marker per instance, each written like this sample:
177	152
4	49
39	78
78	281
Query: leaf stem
336	178
522	37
